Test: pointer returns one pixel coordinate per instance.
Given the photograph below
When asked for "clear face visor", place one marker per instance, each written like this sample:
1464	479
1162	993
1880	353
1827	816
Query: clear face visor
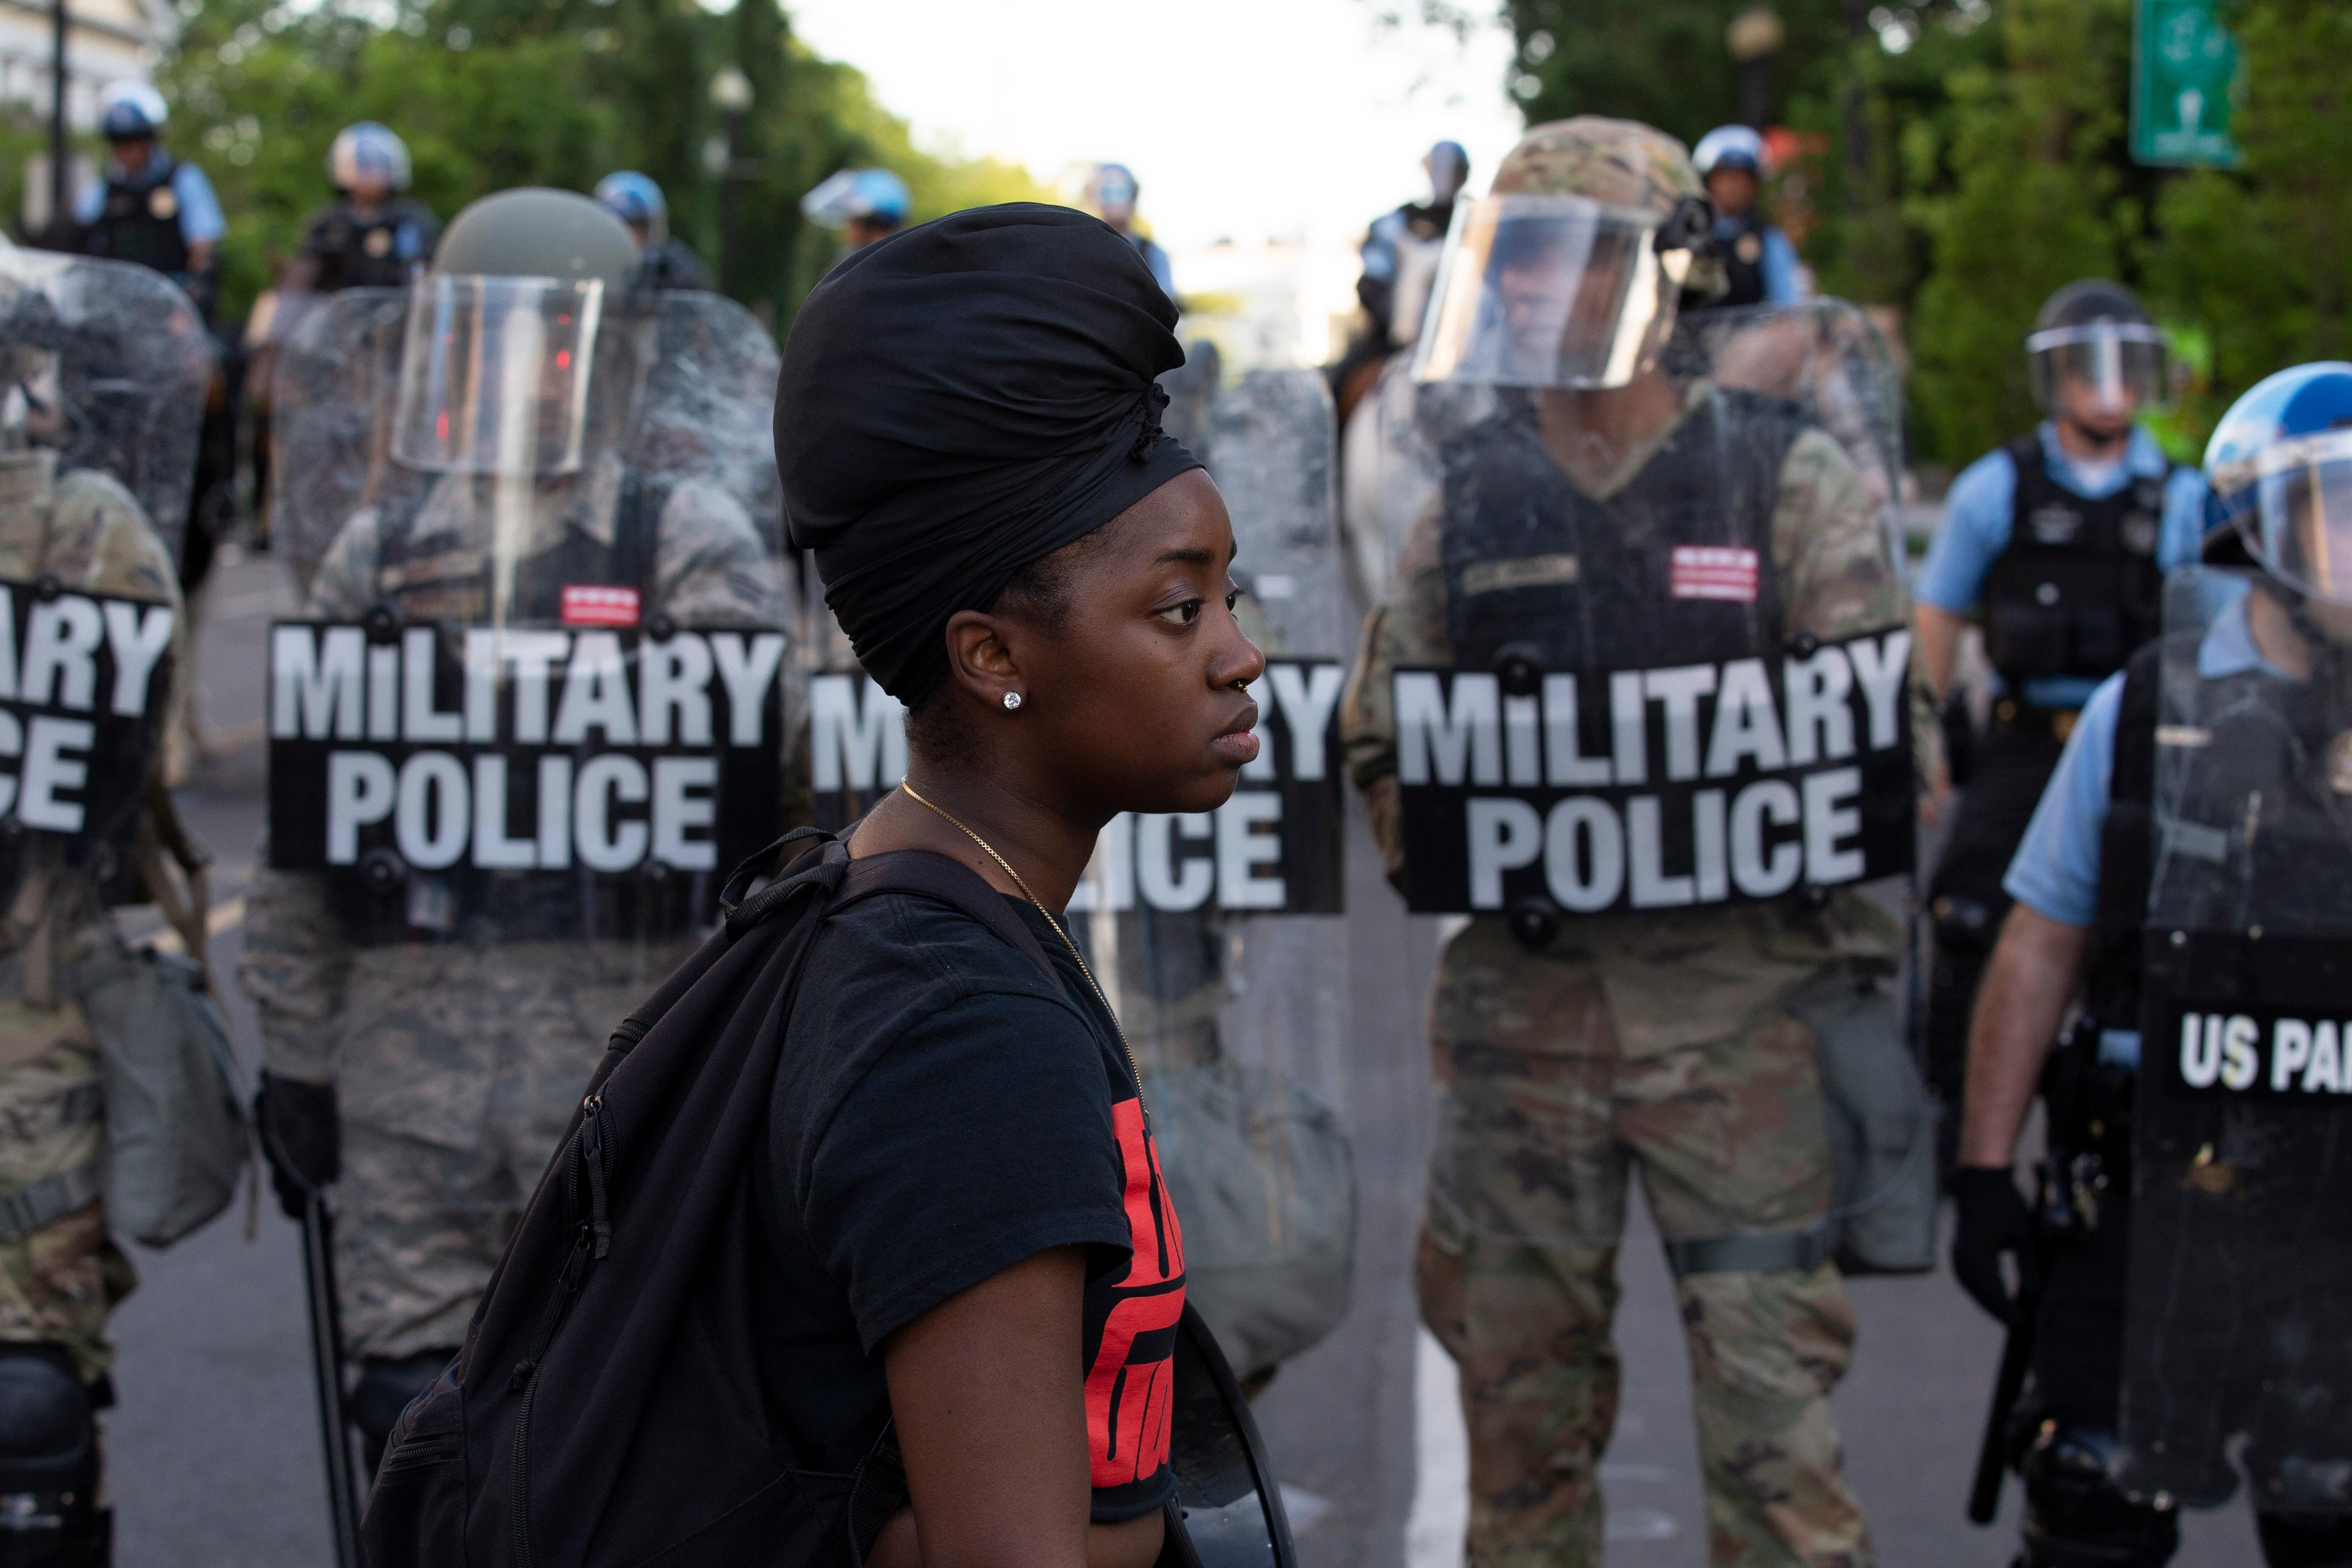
2300	524
494	375
2108	368
1546	291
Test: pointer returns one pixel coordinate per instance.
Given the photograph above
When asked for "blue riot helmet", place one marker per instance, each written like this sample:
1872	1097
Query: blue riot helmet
857	195
1449	171
2279	471
368	151
131	110
637	200
1730	147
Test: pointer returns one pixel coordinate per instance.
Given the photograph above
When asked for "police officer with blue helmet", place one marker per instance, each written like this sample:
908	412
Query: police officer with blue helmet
370	236
864	204
150	208
669	262
1732	161
2257	665
2061	539
1112	192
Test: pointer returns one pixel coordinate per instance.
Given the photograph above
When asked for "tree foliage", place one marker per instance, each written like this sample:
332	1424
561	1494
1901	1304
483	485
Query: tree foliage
491	94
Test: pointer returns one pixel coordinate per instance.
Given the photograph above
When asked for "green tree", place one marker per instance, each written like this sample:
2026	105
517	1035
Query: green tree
2253	260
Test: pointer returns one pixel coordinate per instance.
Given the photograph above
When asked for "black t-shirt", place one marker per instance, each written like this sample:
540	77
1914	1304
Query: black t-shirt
942	1112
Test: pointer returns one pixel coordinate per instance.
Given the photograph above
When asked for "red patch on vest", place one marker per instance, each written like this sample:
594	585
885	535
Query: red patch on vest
584	605
1714	572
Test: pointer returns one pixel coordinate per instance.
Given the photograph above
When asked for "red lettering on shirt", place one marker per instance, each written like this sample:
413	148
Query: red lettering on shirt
1129	1388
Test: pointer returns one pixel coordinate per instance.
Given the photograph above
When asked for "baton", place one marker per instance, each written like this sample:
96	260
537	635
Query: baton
2016	1357
326	1367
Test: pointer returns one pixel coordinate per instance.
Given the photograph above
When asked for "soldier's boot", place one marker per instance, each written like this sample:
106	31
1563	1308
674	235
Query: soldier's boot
49	1516
2306	1539
2075	1514
384	1390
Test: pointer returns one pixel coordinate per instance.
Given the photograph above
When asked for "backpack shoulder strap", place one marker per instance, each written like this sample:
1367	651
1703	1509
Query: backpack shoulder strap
950	881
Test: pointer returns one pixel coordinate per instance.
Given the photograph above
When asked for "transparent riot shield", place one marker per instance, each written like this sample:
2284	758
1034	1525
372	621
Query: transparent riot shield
1389	472
532	715
2234	1361
1647	675
103	375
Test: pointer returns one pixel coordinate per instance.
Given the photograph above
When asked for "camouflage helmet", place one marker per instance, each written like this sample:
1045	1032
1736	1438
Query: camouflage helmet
1619	163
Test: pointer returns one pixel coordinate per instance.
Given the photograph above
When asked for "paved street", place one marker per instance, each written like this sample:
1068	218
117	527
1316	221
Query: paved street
215	1445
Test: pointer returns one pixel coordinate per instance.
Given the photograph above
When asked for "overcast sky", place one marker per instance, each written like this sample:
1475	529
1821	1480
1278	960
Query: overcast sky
1242	119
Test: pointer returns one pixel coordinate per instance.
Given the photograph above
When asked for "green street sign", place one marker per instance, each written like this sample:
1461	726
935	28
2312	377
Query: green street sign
2184	82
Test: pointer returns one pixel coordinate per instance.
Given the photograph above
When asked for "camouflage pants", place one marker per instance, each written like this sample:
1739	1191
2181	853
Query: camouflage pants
58	1283
1666	1049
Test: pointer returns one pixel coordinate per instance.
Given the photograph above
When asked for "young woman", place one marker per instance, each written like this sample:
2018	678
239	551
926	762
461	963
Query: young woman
976	1272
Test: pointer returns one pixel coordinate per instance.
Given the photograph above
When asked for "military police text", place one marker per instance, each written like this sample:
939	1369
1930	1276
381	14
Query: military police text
1493	785
79	676
1274	847
615	748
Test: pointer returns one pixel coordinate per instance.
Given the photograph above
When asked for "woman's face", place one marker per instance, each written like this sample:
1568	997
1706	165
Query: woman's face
1138	702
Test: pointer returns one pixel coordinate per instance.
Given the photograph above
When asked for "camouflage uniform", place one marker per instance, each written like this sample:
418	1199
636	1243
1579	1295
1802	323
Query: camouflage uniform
58	1283
456	1065
1665	1041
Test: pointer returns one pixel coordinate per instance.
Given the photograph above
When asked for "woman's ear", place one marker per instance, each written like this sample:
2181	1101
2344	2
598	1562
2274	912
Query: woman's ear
980	659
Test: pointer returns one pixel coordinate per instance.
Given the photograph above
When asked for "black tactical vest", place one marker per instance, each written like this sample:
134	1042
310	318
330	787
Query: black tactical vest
1536	568
2079	587
347	251
1743	261
140	222
2267	739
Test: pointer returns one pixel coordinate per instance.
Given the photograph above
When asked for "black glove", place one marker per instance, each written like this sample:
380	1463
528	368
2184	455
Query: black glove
301	1136
1993	1220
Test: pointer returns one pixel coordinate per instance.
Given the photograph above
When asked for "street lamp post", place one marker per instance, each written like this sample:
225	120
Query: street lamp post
730	95
61	193
1754	37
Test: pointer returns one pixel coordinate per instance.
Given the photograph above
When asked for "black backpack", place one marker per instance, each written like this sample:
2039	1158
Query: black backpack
605	1412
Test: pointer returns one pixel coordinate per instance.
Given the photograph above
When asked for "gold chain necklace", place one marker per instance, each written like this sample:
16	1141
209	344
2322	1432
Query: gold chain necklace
990	850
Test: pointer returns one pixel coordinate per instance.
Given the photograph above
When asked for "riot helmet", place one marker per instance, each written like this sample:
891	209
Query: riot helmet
2279	471
2095	354
511	332
1567	274
875	196
637	200
1449	171
1113	190
368	155
131	111
1732	161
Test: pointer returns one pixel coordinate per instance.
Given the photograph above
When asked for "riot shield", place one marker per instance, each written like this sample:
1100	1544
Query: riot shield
539	692
1390	469
103	375
1655	668
2233	1356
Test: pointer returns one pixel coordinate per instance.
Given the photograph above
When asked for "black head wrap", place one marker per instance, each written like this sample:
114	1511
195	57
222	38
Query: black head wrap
959	400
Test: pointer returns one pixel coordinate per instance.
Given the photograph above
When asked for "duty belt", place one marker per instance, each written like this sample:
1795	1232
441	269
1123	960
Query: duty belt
51	1198
2011	717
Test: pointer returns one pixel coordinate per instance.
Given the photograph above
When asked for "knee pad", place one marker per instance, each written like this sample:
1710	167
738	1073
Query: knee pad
2306	1539
49	1461
384	1390
2075	1514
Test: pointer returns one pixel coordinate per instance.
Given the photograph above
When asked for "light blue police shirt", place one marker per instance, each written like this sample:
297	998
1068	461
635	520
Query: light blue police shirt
2056	870
200	221
1978	512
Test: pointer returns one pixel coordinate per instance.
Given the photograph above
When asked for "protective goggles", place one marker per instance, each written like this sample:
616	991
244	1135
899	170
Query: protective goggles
494	375
1554	290
2124	364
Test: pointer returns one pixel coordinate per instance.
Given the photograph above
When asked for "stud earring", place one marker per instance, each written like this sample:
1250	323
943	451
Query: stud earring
1012	700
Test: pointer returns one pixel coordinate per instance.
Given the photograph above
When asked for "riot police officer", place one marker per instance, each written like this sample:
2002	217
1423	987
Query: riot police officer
596	469
1622	507
370	236
669	261
150	208
2061	539
1112	192
1400	255
864	204
72	532
1757	256
2189	862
